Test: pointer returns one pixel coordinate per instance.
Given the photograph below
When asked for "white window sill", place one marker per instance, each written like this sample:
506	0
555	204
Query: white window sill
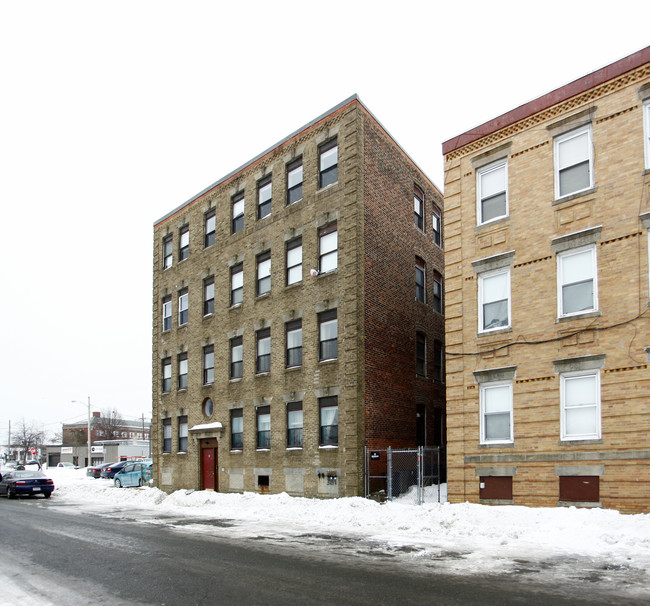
494	331
235	380
574	195
294	448
572	441
508	444
328	447
181	452
594	313
262	450
236	451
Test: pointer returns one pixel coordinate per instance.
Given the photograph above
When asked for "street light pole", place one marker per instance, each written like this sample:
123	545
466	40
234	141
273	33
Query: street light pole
79	402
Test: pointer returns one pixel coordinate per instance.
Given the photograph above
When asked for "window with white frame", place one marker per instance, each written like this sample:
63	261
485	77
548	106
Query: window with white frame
294	343
236	358
167	435
294	181
418	207
167	312
577	290
208	296
168	253
294	261
328	162
183	302
646	131
264	273
210	228
264	196
166	375
496	412
263	414
329	421
327	248
328	335
492	191
182	371
238	202
184	243
436	226
580	403
236	284
294	424
573	154
236	429
208	365
494	300
263	363
182	433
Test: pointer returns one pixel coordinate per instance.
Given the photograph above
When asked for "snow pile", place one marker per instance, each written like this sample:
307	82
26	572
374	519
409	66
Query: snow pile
486	538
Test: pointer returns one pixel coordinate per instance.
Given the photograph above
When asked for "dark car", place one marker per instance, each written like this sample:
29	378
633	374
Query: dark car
30	483
110	470
96	470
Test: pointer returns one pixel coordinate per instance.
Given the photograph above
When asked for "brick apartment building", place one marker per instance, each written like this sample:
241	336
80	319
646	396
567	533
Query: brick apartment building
547	212
77	433
297	315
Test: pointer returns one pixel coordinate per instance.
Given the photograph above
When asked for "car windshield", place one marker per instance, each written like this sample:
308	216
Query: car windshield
27	474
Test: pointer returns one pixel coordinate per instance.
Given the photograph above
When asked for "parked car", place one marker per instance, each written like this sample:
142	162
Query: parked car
112	469
33	465
96	470
134	474
30	483
67	465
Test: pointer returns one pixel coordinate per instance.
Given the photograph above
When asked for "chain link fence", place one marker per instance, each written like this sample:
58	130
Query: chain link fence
412	475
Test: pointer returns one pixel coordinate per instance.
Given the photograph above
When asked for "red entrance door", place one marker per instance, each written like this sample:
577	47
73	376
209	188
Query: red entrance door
209	475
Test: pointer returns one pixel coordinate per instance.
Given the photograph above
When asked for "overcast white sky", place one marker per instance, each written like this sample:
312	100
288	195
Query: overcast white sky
114	113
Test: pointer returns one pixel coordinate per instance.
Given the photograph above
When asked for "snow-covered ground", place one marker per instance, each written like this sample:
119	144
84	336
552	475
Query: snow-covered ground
461	538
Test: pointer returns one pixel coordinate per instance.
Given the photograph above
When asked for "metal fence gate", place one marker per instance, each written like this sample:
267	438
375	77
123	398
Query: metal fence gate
411	475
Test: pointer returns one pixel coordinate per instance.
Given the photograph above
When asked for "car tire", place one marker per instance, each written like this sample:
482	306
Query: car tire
11	494
118	483
47	495
140	482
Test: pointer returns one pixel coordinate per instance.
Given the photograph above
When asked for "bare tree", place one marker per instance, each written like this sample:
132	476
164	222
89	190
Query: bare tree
75	437
27	436
110	422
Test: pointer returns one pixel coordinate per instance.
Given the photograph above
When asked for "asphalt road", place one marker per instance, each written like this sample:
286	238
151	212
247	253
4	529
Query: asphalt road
63	556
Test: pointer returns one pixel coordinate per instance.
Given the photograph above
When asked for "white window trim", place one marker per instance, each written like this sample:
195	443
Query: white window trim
556	157
483	388
560	282
571	437
646	132
481	277
479	198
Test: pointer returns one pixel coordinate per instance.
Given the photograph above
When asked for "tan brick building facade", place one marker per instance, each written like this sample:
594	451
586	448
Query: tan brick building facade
547	210
287	330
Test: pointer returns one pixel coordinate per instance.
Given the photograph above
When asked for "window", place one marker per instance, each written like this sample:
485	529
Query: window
573	162
182	371
437	292
236	284
438	361
577	284
167	375
294	424
328	158
167	435
208	365
236	358
492	192
580	402
208	407
182	433
294	261
236	429
294	343
294	181
183	301
210	228
328	335
167	252
263	414
208	296
646	131
264	273
184	243
264	195
420	280
327	248
167	312
496	412
418	207
263	363
329	421
494	300
421	354
238	212
436	226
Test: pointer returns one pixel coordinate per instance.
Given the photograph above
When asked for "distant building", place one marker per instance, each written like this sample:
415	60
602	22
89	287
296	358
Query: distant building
298	315
547	213
100	428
